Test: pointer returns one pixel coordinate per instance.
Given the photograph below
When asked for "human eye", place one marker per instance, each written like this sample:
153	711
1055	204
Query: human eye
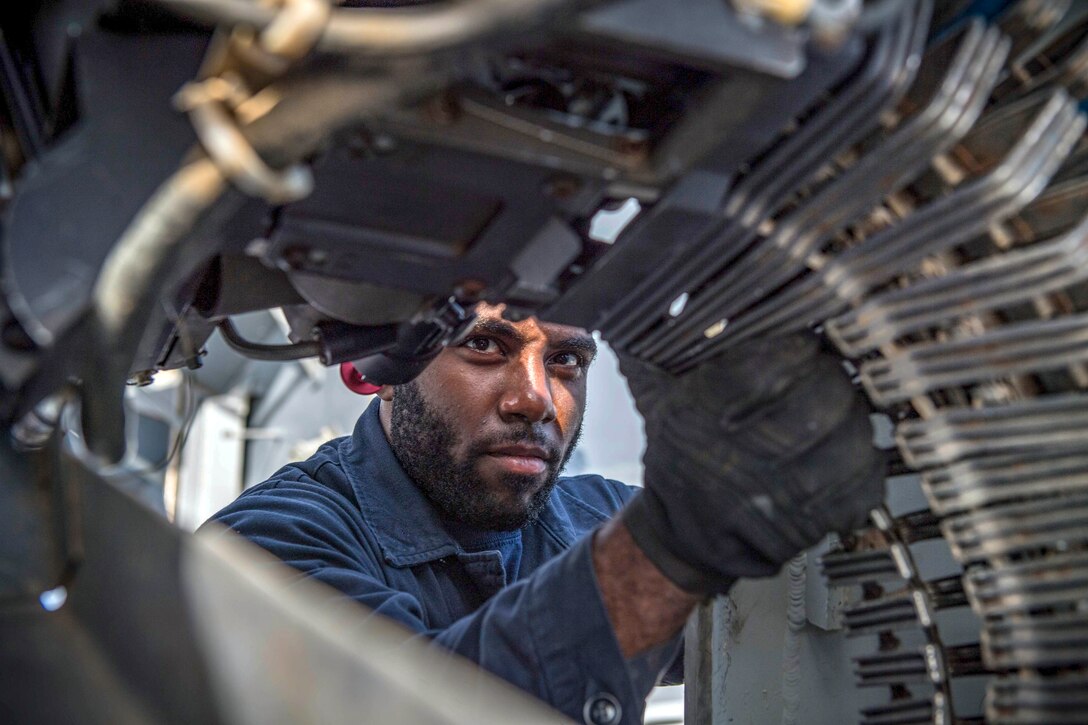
568	360
482	344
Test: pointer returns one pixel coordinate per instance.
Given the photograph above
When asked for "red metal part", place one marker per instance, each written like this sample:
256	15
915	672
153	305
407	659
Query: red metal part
355	382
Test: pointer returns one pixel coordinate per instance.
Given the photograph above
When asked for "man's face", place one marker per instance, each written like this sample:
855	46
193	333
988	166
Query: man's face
486	428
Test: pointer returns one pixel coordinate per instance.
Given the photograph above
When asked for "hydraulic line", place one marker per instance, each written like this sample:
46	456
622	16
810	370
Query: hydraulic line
273	353
388	32
125	292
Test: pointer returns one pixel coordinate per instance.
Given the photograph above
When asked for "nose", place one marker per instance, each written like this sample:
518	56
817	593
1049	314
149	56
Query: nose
527	395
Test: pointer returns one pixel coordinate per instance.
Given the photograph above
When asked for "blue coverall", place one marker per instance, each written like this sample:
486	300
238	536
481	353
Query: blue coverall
524	605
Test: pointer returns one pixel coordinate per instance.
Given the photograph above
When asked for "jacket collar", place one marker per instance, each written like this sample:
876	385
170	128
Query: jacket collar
408	529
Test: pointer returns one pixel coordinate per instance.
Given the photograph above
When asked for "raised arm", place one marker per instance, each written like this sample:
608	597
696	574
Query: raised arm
750	459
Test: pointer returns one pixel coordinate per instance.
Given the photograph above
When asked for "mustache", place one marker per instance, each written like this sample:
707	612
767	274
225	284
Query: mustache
526	436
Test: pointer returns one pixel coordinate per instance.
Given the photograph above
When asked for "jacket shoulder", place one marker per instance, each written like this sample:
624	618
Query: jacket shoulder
595	494
316	490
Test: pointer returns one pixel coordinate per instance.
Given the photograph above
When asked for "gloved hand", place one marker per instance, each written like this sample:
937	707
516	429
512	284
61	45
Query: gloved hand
750	459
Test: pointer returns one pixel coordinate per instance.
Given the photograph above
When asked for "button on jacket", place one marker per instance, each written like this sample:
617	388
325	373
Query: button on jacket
350	517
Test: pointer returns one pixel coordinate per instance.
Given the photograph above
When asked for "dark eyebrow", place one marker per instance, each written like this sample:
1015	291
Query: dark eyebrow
497	327
501	328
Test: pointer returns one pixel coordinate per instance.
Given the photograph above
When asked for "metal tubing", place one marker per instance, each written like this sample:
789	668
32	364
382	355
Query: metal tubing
124	294
1020	349
951	109
1047	424
954	219
885	76
386	32
994	282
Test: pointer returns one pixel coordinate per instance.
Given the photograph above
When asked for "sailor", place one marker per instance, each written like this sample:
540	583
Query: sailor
445	510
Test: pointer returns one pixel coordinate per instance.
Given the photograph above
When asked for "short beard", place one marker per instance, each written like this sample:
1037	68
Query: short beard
423	441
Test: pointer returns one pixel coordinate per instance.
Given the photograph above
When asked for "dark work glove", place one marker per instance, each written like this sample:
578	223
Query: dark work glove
750	459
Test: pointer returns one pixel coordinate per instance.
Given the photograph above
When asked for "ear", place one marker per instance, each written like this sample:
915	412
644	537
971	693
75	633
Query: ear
385	393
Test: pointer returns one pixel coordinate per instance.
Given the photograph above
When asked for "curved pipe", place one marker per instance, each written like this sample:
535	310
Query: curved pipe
390	31
124	295
272	353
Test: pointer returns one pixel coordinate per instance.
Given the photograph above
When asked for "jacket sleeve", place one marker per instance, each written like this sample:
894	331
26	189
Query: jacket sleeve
548	634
